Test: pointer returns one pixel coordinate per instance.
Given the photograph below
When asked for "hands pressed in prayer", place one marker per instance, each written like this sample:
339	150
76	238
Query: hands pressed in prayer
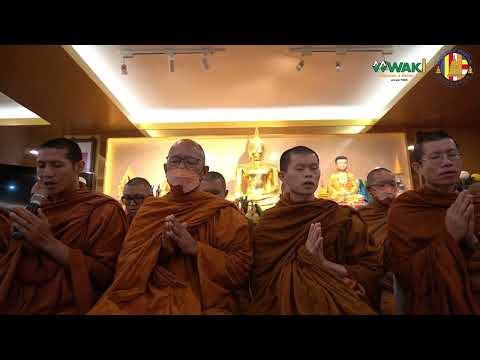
459	218
314	245
179	234
37	233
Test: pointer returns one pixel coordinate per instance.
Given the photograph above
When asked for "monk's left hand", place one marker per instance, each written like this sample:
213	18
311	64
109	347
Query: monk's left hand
179	234
35	228
339	269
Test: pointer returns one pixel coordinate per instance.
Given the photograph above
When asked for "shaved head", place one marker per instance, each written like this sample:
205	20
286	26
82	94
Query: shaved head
375	174
136	181
214	183
189	145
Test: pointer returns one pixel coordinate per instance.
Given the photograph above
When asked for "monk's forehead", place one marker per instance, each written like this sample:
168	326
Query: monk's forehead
381	175
216	183
136	189
303	158
186	148
441	145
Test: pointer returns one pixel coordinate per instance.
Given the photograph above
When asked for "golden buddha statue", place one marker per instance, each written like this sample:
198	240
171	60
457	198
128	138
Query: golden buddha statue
258	180
343	186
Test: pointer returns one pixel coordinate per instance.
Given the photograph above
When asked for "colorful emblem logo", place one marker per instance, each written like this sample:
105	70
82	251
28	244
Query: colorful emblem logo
455	67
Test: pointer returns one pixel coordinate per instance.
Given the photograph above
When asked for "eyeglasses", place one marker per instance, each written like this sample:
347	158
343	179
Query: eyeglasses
383	184
137	199
188	161
437	158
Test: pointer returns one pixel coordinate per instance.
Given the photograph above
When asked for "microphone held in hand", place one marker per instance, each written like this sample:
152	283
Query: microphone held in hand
35	203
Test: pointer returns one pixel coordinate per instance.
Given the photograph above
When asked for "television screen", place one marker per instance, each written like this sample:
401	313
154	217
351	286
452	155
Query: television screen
15	184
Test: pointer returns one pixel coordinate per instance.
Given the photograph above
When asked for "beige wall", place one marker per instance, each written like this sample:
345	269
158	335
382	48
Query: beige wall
146	156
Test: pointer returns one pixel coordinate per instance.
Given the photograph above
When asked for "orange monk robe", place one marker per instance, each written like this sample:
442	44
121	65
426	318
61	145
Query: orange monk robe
433	270
289	280
375	216
152	278
31	282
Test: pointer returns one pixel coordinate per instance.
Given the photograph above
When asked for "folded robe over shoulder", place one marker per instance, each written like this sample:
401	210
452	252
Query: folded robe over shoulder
434	271
31	282
289	280
152	278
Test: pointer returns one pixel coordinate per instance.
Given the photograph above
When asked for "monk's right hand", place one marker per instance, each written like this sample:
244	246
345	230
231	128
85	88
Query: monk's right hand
457	219
314	244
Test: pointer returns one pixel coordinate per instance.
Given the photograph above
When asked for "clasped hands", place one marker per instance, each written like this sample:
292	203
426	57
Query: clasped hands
178	233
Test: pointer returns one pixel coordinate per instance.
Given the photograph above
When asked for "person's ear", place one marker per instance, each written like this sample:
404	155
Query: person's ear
79	166
281	176
204	172
226	193
417	167
165	168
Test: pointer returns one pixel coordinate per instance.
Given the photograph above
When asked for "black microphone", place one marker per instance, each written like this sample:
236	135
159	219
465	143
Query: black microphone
35	203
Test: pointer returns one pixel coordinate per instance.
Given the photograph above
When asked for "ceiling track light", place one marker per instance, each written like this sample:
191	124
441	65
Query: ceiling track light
171	53
338	66
344	49
123	68
300	65
171	62
205	62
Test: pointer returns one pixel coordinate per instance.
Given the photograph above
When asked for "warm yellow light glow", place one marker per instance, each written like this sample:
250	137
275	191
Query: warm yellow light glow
23	122
107	183
294	113
378	100
104	72
16	112
274	156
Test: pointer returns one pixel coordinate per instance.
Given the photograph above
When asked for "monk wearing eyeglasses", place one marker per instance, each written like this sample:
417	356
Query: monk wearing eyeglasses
432	234
187	252
136	190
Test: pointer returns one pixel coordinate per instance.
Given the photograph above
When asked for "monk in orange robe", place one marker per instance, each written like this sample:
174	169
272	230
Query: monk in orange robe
66	257
382	188
186	252
432	236
311	256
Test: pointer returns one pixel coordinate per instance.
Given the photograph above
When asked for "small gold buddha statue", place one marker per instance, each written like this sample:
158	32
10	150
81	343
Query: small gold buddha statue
258	180
343	186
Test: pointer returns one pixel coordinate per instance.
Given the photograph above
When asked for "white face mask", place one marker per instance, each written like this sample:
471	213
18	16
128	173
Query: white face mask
182	181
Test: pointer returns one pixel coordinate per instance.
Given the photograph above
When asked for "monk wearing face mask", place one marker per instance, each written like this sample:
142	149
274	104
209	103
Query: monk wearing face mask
382	188
186	252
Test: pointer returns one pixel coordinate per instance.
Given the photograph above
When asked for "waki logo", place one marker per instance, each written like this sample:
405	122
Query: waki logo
399	71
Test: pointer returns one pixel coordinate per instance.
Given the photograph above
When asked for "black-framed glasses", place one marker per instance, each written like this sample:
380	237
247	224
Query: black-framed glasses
437	158
384	183
137	199
188	161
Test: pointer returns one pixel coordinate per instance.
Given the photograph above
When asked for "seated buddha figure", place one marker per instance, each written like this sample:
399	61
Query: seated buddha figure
257	179
343	186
